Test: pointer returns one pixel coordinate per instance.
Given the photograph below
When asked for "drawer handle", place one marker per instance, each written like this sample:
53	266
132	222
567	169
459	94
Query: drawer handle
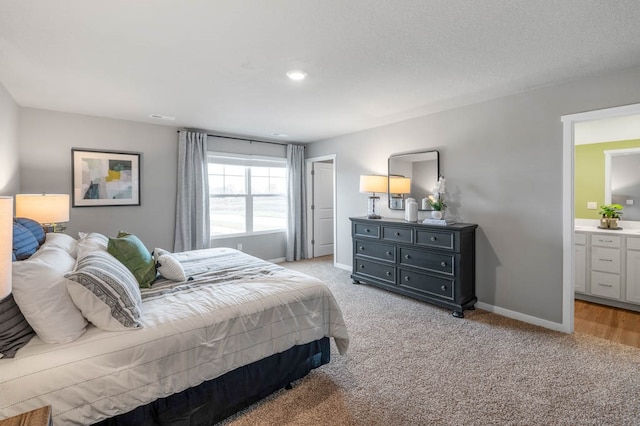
367	230
443	288
361	248
605	285
443	264
406	278
388	273
406	256
433	238
397	234
361	266
388	253
605	260
606	241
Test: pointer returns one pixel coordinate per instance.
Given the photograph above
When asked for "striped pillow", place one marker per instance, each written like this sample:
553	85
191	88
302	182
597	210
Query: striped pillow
106	292
15	331
24	243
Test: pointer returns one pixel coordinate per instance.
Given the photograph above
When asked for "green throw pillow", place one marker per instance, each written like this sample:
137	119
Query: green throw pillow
132	253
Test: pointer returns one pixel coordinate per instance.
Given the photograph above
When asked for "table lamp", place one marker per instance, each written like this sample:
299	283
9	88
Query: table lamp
373	184
48	209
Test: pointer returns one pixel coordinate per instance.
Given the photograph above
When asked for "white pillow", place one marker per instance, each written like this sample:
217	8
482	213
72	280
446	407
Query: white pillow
168	266
106	292
64	241
40	290
91	242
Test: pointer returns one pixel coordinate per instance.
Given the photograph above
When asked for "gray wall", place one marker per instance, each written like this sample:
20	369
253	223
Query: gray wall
503	163
9	173
45	142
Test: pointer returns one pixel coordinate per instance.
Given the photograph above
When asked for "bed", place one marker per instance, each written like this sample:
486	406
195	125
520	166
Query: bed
233	331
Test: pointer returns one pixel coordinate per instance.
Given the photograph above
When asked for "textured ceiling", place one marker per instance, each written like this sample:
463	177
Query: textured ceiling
220	65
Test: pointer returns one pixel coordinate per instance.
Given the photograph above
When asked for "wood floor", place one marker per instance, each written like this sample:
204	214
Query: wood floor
618	325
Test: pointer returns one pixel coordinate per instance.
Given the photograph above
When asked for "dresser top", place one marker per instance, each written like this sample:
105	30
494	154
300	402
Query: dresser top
394	221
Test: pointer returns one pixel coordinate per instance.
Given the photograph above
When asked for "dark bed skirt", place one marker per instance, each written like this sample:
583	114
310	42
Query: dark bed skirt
214	400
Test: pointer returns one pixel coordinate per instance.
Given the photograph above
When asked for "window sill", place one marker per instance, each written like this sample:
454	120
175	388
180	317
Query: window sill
247	234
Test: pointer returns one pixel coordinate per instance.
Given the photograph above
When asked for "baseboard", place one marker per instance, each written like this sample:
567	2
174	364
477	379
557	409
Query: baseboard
521	317
278	260
342	266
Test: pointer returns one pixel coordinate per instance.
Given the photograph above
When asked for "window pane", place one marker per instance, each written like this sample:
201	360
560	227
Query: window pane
234	185
268	180
259	185
226	179
228	215
216	184
269	213
278	185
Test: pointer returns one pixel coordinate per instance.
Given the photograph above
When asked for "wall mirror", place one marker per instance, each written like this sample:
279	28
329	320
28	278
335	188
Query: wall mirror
412	175
622	180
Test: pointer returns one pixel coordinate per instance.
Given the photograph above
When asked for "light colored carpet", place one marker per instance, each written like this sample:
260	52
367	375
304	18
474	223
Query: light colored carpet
411	363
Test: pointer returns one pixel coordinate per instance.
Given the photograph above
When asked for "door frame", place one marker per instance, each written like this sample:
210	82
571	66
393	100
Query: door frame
568	202
309	163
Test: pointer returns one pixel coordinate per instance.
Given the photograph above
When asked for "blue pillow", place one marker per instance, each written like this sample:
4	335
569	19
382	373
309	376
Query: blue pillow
24	243
36	229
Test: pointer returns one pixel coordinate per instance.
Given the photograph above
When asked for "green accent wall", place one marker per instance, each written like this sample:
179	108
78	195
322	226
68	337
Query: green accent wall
589	175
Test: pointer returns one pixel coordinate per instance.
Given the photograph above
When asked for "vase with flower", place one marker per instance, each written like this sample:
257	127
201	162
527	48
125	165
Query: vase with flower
436	199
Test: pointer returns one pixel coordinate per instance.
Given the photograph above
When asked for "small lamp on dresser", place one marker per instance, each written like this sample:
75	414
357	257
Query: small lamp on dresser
373	184
398	187
6	246
49	209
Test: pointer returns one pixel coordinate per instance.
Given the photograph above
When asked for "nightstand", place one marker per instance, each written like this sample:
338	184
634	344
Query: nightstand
38	417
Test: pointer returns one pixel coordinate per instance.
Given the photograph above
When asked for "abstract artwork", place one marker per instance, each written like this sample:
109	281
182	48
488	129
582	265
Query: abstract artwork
105	178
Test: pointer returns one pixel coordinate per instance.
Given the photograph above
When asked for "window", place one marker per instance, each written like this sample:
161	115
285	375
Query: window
247	194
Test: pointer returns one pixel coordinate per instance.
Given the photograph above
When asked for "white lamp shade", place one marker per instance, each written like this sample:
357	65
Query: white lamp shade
373	183
6	244
399	185
43	208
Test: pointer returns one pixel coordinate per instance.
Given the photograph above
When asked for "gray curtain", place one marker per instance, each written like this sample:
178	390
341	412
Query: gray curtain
296	204
192	205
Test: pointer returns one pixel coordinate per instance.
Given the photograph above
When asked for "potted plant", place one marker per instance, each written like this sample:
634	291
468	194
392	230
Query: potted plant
436	201
610	215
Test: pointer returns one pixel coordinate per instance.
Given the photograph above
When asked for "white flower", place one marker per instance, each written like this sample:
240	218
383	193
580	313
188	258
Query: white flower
439	187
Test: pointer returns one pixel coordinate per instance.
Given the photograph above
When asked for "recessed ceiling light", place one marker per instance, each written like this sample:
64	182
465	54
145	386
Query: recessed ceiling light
279	135
296	74
162	117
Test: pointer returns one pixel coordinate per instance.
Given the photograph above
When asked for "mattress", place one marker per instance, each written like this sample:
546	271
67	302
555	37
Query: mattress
235	310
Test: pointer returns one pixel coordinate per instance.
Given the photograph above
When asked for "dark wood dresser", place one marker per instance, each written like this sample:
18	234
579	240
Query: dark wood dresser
435	264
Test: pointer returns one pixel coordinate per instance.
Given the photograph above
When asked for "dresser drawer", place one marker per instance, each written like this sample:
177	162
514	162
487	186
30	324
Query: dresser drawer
366	230
607	285
386	252
435	239
428	284
403	235
605	241
382	272
443	263
605	259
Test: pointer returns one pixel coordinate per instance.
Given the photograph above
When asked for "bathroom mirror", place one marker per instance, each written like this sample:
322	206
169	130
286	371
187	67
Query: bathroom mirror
412	175
622	180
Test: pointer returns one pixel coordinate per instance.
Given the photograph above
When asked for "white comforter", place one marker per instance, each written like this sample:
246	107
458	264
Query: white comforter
191	333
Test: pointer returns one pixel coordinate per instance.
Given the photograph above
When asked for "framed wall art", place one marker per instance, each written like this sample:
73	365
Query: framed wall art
105	178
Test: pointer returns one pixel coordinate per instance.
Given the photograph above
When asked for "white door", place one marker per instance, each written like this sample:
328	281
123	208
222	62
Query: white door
322	209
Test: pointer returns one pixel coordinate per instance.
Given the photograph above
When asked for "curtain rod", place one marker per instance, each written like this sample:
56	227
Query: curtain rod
243	139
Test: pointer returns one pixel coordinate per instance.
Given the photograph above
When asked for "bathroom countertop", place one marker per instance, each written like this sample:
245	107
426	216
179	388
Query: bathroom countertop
595	229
